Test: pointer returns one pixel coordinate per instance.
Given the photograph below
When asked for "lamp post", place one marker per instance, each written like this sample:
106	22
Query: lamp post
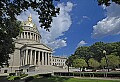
104	52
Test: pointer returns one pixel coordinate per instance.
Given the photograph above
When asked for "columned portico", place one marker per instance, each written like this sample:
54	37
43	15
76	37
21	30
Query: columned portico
36	53
29	51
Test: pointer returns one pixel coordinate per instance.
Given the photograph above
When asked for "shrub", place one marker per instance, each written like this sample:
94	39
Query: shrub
36	76
45	75
23	75
13	78
16	78
90	74
29	78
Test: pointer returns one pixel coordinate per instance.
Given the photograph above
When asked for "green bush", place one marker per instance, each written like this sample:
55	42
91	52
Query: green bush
16	78
23	75
45	75
13	78
36	76
29	78
89	74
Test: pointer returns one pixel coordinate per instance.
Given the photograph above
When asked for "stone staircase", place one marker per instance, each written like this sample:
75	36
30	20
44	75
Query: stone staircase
46	69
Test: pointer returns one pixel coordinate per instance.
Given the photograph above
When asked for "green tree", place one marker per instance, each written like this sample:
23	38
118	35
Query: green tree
79	63
84	53
113	61
97	48
93	63
107	2
69	61
96	51
10	27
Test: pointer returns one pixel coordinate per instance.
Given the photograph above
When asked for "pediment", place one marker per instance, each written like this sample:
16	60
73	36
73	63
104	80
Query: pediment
39	46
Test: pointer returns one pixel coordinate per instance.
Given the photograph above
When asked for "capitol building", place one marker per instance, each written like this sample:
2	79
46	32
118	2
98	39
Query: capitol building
30	54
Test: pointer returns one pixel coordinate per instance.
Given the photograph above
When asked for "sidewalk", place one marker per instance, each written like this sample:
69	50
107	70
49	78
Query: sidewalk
97	78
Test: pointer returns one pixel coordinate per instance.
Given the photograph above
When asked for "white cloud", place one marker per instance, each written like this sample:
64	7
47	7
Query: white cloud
81	43
57	43
83	19
86	17
60	24
109	25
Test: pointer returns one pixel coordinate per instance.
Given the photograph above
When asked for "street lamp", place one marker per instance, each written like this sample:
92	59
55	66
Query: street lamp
104	52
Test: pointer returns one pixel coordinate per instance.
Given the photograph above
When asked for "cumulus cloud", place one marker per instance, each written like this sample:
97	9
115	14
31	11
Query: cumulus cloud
81	43
60	24
109	25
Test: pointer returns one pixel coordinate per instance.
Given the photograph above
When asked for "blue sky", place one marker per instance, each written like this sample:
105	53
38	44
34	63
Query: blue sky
80	23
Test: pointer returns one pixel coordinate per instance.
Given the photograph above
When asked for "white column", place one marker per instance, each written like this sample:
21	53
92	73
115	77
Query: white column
45	58
48	58
21	35
30	35
51	59
38	57
22	58
42	58
26	57
35	58
30	57
38	38
24	35
35	36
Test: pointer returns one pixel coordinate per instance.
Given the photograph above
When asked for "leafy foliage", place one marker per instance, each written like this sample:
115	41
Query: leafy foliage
95	52
79	63
8	32
93	63
113	61
107	2
84	52
45	9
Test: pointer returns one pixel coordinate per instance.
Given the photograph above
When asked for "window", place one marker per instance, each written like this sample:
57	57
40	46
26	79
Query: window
32	35
23	34
5	71
26	34
29	35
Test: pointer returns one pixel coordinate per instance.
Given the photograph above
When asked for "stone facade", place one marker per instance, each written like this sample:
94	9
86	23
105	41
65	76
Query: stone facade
29	52
58	61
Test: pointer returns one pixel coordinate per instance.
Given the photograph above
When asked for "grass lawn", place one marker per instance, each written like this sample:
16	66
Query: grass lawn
63	79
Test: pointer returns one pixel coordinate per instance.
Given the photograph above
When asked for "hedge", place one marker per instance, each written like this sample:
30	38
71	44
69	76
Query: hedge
89	74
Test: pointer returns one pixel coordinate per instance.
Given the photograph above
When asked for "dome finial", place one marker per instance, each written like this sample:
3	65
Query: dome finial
30	18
